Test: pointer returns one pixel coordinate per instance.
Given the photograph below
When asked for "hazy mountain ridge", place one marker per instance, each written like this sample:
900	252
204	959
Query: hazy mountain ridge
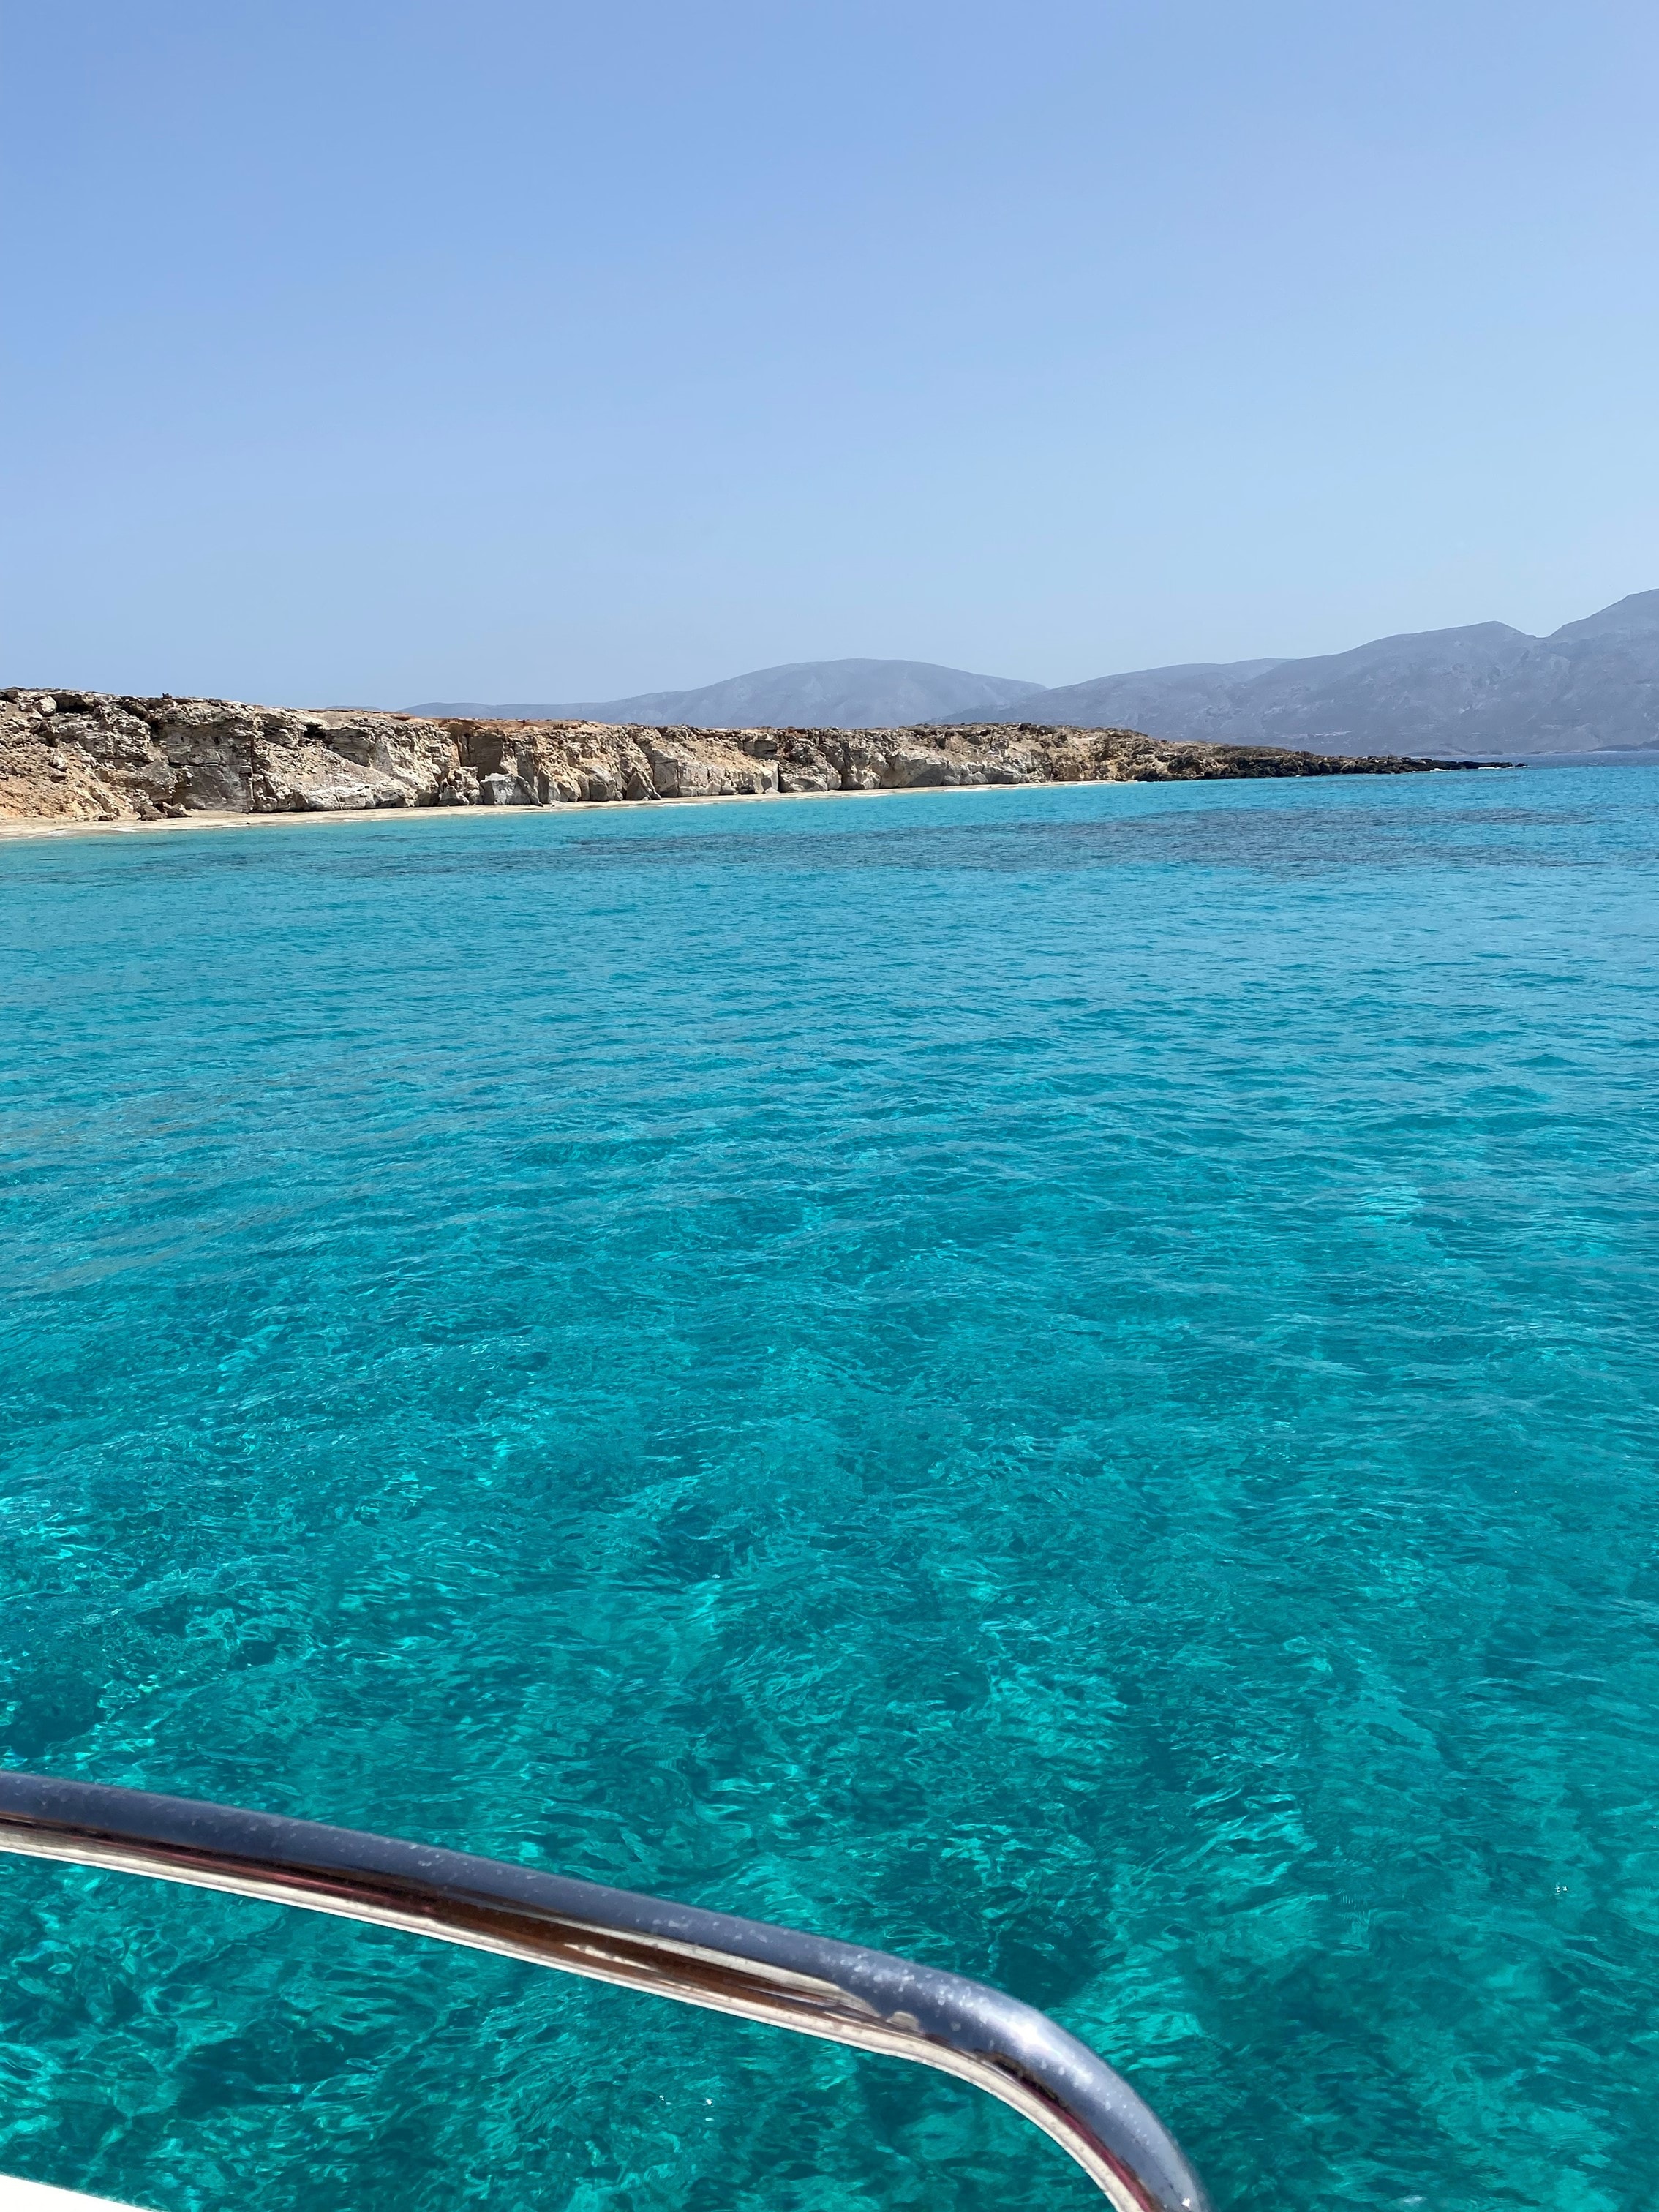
1592	686
827	694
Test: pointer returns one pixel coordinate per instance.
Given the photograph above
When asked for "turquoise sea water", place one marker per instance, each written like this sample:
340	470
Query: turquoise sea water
1060	1381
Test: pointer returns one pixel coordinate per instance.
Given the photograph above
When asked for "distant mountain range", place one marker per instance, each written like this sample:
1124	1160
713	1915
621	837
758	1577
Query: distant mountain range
806	694
1590	686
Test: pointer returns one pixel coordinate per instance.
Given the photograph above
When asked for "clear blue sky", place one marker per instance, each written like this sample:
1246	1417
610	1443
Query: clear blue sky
372	352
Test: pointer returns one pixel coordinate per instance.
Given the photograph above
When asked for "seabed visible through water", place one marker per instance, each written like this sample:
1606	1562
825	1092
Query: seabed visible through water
1064	1385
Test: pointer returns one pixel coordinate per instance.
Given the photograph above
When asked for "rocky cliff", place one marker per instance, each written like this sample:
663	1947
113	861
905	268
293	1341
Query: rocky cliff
93	757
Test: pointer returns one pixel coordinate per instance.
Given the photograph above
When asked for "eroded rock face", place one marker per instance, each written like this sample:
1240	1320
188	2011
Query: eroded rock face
92	757
87	756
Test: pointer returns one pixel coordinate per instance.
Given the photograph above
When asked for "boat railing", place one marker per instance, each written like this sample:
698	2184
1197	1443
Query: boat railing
783	1976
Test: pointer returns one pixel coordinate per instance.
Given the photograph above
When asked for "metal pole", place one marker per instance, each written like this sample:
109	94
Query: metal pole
817	1986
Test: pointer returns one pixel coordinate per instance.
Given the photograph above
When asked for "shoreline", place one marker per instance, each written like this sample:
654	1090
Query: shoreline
74	761
46	825
21	828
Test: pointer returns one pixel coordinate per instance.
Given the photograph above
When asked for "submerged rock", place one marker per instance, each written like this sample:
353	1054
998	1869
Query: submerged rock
94	757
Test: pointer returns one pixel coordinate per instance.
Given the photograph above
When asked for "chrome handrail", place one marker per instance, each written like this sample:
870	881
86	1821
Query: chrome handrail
839	1991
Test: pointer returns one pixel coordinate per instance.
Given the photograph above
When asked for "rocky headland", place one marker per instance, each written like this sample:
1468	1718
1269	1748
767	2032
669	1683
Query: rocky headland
69	756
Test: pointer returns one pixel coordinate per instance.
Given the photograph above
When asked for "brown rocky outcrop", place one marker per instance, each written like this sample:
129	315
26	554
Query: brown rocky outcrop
94	757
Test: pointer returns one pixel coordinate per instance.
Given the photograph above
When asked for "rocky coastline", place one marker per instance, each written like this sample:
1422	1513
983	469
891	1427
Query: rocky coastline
69	756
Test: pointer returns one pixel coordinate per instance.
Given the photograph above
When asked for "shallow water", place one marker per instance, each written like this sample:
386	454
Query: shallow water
1060	1381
